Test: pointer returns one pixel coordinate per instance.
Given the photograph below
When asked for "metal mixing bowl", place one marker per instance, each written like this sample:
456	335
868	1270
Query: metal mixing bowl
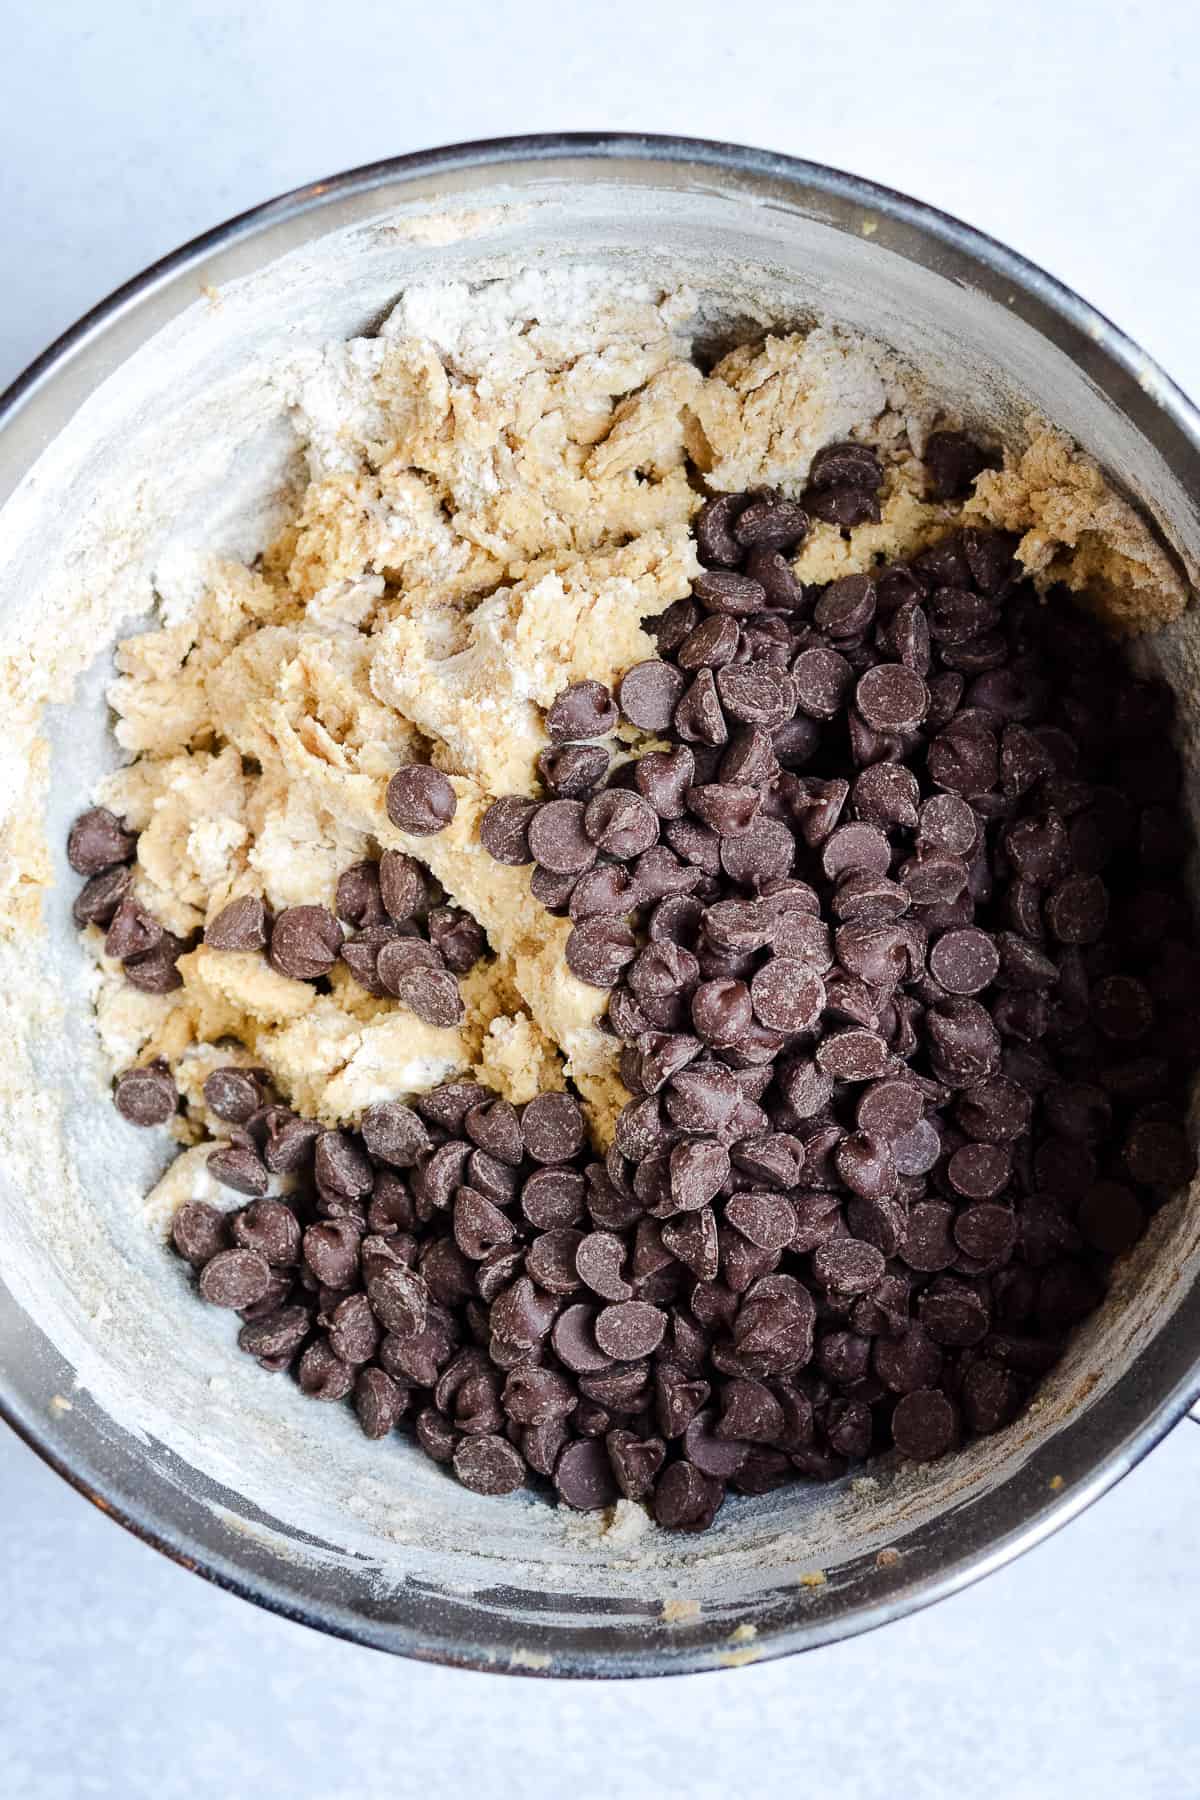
100	1370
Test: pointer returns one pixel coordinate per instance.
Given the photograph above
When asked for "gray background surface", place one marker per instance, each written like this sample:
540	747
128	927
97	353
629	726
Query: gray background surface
1070	131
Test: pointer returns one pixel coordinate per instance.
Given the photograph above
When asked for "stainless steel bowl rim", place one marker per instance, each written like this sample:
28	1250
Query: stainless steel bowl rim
1173	424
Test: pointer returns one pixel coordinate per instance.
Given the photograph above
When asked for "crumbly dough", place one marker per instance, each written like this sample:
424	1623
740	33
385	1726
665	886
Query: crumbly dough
502	490
1074	529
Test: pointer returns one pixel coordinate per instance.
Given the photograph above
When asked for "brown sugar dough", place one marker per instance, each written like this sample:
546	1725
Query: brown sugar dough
1075	529
499	500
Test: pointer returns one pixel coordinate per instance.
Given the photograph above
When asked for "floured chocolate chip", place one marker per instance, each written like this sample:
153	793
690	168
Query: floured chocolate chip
242	925
458	938
233	1094
420	800
235	1278
569	771
402	885
583	710
599	949
134	932
98	899
686	1499
305	942
583	1476
649	693
146	1095
358	901
97	841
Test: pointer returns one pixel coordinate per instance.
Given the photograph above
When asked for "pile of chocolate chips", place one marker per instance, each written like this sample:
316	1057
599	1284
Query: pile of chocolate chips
903	970
101	847
448	1268
407	942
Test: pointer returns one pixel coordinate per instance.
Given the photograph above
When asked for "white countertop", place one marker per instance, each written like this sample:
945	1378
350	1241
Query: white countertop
1068	130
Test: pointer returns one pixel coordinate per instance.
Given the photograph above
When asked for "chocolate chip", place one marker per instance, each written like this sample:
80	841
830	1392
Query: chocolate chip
954	461
235	1278
599	1259
98	899
991	1397
198	1231
979	1172
233	1094
867	1166
289	1142
242	925
686	1499
715	541
394	1133
305	942
570	771
845	506
420	800
855	850
598	949
985	1232
574	1341
458	938
398	1297
887	795
1077	909
239	1167
698	718
823	679
629	1329
558	839
1158	1153
147	1095
620	823
853	1055
891	697
770	524
964	1046
787	995
134	932
358	901
583	710
923	1424
908	1363
928	1245
964	962
488	1464
759	855
711	645
97	841
965	762
432	994
379	1403
504	829
584	1476
756	694
270	1227
332	1251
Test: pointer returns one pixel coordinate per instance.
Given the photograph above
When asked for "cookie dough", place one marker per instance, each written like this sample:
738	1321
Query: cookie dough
502	488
